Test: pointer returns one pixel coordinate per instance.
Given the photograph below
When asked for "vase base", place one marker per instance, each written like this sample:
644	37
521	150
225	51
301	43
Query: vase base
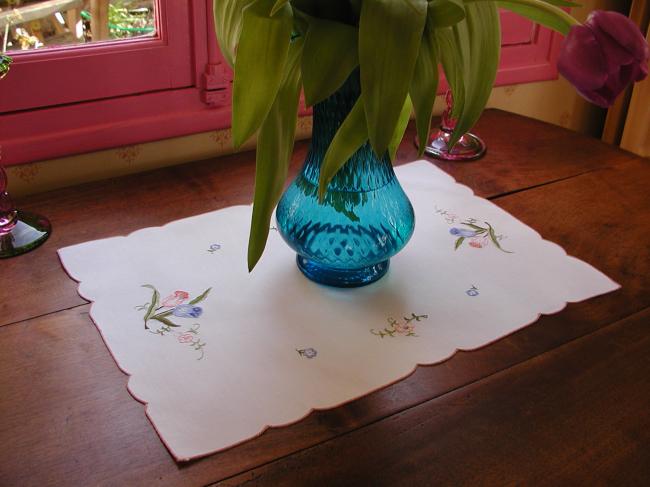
27	232
331	276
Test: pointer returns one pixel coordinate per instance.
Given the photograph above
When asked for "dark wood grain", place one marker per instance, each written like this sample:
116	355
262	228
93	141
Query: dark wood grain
522	153
577	415
67	418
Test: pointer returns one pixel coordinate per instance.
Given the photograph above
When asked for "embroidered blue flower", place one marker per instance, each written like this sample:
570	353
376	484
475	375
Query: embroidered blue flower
187	311
461	232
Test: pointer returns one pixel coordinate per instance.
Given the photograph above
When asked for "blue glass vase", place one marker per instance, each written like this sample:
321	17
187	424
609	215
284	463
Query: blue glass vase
366	217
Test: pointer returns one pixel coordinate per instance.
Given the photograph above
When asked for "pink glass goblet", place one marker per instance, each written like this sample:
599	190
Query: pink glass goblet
468	148
20	231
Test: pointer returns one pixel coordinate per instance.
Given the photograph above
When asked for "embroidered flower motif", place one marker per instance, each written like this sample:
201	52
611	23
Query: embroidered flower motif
472	292
406	328
159	318
185	337
307	352
173	300
478	242
187	311
461	232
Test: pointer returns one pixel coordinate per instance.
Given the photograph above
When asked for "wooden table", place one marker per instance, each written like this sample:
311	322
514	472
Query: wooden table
565	401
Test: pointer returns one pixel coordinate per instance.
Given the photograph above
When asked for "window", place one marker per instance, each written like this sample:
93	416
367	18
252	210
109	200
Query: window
74	99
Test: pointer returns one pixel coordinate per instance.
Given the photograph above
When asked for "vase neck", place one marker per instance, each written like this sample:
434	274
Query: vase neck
364	171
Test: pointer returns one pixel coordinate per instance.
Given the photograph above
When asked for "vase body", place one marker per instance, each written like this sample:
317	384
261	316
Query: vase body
366	218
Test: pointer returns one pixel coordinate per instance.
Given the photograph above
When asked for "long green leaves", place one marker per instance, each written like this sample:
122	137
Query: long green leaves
227	24
390	33
396	43
478	38
330	55
400	128
443	13
274	148
261	56
545	17
424	85
352	134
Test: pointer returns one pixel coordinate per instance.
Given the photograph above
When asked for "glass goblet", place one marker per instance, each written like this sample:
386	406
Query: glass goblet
20	231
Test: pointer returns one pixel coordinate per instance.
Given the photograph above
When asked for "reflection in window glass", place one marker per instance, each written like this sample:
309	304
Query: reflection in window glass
38	24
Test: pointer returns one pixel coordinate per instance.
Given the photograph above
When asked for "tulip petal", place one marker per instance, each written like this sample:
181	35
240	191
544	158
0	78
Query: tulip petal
581	60
622	34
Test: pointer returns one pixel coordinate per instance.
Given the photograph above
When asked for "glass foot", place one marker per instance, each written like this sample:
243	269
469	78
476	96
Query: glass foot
468	148
341	277
28	232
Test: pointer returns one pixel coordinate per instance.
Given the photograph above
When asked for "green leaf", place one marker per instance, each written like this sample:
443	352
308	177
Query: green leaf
452	60
459	242
481	32
424	85
444	13
278	5
227	24
165	321
475	227
494	239
330	54
541	17
390	33
335	10
402	123
274	149
154	303
351	135
200	298
259	66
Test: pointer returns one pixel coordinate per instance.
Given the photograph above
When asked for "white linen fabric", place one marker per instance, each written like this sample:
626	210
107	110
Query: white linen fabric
266	348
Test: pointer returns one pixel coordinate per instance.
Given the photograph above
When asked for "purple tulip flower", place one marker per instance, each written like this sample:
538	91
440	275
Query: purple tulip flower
187	311
461	232
604	55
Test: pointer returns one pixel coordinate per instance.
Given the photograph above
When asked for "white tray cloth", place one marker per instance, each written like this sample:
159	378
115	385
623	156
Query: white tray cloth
271	346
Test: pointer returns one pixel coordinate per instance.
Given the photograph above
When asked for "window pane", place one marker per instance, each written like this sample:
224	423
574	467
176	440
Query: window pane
38	24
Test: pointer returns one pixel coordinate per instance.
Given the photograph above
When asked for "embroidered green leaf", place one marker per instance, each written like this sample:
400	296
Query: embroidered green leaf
200	298
459	242
164	321
495	240
259	66
402	123
475	227
274	149
329	56
154	303
390	33
351	135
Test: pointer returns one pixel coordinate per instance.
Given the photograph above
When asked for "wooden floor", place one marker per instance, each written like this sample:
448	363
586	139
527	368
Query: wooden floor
565	401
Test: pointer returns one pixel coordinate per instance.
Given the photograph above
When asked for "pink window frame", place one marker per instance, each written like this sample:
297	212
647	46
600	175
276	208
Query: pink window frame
197	100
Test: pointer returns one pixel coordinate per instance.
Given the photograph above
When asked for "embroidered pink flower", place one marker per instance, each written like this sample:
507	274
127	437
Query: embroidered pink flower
185	338
404	328
478	242
175	299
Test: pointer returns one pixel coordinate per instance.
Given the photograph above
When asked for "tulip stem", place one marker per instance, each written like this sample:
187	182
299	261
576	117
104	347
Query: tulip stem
542	6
